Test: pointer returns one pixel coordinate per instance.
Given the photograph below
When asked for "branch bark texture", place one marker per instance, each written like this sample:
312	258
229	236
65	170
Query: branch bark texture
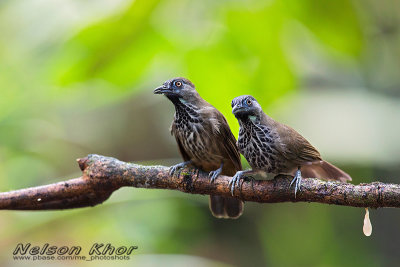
101	176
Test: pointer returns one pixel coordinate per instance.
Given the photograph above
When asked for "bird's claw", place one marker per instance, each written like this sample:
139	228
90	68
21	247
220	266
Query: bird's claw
214	174
172	170
234	182
297	181
177	167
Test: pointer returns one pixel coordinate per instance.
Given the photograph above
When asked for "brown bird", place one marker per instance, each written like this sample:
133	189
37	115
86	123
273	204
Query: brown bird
204	140
273	147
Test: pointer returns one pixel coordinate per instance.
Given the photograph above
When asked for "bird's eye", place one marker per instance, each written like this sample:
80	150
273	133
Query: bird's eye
248	102
178	84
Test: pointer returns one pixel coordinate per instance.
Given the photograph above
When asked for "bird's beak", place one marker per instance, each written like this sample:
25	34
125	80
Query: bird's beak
237	109
162	90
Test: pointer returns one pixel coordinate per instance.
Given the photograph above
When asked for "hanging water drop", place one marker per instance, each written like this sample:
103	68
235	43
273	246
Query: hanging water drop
367	228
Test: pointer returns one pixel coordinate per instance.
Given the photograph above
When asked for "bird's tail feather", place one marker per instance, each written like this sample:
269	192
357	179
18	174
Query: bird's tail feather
324	170
226	207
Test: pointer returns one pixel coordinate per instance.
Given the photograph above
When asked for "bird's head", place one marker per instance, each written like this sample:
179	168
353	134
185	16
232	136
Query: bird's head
244	106
178	89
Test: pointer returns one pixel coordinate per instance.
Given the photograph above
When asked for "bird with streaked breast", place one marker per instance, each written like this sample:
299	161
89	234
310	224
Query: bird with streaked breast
273	147
204	139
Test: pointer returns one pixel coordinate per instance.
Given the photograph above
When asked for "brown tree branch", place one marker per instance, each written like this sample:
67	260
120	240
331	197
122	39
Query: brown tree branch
104	175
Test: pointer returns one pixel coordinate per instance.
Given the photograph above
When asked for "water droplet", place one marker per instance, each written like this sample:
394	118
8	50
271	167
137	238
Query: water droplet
367	228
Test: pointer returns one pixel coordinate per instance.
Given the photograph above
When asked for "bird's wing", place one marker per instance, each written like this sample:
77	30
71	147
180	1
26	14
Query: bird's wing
226	138
175	133
295	147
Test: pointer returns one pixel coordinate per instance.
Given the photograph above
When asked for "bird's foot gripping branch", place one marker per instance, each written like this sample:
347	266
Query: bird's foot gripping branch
101	176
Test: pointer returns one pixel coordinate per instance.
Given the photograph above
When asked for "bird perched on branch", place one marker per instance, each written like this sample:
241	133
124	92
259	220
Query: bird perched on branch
204	139
272	147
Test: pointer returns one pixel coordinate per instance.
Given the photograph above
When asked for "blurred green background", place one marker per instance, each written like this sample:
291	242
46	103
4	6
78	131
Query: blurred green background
76	77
